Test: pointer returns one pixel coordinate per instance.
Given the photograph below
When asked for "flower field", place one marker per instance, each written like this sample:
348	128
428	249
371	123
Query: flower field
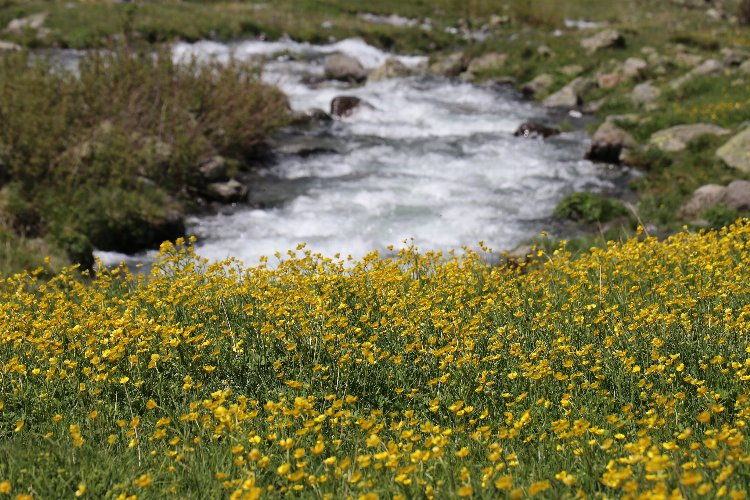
623	373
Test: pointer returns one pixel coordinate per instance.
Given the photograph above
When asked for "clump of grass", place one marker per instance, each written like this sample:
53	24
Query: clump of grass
421	375
589	207
118	143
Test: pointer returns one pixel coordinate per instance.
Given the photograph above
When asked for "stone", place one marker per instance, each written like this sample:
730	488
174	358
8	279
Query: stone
9	47
451	65
745	67
737	195
311	116
674	139
538	86
702	199
734	57
544	51
687	60
344	105
608	143
570	95
645	94
534	129
608	80
344	68
572	70
606	39
634	68
706	68
566	97
487	62
736	151
214	169
32	22
227	192
391	68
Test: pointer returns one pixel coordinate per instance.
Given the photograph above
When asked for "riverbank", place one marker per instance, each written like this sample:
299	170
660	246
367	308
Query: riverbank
637	67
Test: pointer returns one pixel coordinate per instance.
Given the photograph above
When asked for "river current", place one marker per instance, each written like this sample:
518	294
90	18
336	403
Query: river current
432	163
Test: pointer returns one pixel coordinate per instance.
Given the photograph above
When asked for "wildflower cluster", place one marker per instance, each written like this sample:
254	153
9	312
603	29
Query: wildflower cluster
623	373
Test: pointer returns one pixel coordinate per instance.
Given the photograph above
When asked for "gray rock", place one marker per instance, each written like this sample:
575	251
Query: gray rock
706	68
645	94
736	151
310	117
572	70
391	68
634	68
609	142
8	46
566	97
606	39
738	195
570	95
32	22
608	80
214	169
344	105
487	62
734	56
227	192
344	68
677	138
451	65
688	60
538	86
745	66
702	199
544	51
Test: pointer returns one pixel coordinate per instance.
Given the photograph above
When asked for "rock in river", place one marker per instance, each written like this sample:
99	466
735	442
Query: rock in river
534	129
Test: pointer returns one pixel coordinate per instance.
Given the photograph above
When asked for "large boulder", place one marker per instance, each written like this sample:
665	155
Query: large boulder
534	129
736	151
451	65
606	39
609	142
677	138
344	68
737	195
214	169
538	86
487	62
391	68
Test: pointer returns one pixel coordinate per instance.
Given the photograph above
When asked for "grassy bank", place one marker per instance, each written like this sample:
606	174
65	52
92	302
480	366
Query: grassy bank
619	374
110	157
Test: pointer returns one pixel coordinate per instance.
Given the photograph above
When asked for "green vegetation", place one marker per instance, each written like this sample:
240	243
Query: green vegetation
589	207
109	157
622	373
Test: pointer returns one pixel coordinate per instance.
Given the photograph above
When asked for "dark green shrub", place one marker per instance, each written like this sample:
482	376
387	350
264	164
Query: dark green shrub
589	207
743	12
720	216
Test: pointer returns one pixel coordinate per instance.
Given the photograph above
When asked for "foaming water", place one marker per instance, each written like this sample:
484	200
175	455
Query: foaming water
433	162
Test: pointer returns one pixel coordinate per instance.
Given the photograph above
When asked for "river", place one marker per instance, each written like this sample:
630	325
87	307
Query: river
433	163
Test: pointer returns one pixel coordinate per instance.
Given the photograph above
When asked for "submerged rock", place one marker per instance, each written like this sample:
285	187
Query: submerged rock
391	68
534	129
227	192
344	105
451	65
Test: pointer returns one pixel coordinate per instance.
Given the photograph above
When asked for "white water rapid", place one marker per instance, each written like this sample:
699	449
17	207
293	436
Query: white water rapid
434	162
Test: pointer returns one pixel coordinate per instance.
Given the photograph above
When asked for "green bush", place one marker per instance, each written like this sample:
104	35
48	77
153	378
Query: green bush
117	145
589	207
